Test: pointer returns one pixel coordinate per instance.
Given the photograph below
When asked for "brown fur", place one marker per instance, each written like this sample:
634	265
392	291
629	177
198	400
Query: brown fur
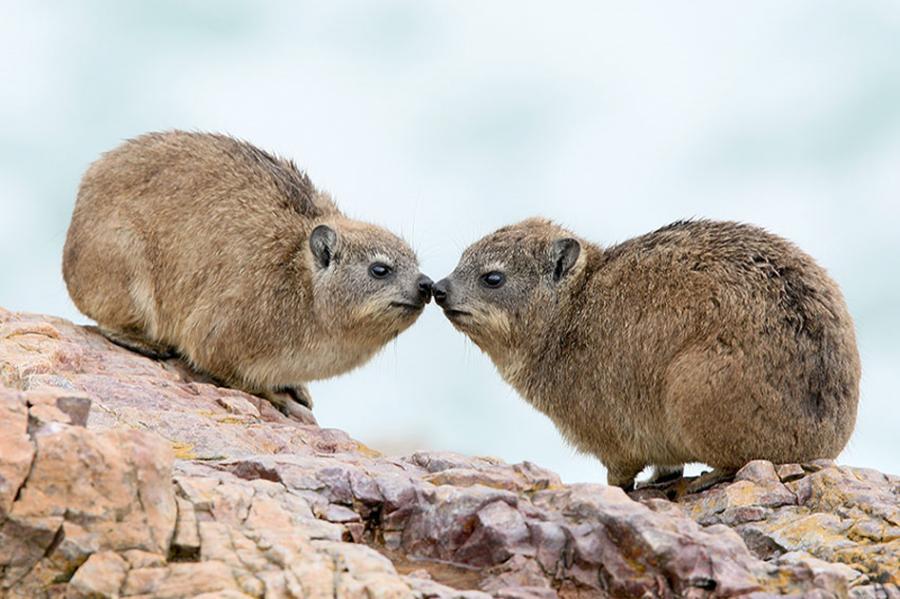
704	341
202	243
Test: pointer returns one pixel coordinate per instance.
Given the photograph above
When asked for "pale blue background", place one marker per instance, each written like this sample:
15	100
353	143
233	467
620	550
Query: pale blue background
446	120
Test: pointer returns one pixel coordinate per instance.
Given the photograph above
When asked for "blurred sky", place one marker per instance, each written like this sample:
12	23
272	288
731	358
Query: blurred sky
446	120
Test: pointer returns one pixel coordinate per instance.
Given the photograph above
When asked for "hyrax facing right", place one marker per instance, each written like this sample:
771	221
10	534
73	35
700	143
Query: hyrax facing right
704	341
209	247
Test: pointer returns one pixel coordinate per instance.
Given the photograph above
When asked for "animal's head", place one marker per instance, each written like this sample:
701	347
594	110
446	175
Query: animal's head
507	285
366	280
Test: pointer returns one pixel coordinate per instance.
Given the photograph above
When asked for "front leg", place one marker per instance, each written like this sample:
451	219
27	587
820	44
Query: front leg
622	476
294	402
300	394
663	476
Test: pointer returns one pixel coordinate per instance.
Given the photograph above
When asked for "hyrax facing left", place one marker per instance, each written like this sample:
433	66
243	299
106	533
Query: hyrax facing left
206	246
704	341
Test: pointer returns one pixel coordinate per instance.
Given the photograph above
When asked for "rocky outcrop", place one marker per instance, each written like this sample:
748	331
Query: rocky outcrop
121	476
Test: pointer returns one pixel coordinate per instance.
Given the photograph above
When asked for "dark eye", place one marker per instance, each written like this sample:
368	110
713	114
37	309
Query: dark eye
493	279
379	270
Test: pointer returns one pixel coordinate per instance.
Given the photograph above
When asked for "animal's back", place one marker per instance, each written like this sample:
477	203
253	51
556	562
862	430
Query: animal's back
170	218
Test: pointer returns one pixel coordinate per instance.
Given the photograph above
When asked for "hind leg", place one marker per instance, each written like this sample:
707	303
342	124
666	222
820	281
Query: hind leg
107	275
723	413
136	343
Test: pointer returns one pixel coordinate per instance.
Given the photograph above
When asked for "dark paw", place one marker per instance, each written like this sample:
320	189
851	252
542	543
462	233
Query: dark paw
299	395
293	402
298	412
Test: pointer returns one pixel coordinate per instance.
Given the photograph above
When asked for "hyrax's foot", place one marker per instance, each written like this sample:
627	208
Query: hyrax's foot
136	343
300	394
663	476
709	479
622	477
294	402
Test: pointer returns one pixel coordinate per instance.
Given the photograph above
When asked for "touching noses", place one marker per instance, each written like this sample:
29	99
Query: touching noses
424	284
439	290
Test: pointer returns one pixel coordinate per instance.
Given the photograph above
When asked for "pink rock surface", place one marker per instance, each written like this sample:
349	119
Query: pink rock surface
121	476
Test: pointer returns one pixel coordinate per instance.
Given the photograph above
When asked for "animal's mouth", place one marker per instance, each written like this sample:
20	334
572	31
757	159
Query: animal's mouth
408	307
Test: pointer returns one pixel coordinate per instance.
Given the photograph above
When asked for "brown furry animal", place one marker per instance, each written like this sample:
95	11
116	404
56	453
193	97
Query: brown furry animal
704	341
207	246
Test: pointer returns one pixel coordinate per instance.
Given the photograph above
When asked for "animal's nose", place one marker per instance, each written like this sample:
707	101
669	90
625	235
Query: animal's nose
439	290
424	284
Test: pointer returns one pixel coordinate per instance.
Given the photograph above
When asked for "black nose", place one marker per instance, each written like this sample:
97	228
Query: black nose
439	290
424	284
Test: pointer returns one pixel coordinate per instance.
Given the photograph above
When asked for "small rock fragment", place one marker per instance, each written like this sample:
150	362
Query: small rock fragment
759	472
790	472
103	575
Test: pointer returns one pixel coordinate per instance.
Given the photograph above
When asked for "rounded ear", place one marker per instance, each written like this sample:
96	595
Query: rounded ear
565	253
323	243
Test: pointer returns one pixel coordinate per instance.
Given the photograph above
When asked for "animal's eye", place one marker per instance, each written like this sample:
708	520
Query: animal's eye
493	279
379	270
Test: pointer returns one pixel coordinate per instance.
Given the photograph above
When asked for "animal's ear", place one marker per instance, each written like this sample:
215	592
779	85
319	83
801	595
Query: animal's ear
323	242
564	253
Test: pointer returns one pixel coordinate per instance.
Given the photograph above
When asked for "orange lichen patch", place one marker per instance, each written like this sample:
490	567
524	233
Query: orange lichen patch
783	579
207	413
232	420
183	451
881	563
866	531
367	451
738	494
813	532
744	493
549	487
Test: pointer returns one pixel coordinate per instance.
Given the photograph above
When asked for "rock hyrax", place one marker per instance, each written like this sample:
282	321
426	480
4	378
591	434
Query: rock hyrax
207	246
704	341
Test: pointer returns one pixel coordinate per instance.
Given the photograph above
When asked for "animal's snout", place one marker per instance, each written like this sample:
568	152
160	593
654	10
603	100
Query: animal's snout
440	290
424	285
